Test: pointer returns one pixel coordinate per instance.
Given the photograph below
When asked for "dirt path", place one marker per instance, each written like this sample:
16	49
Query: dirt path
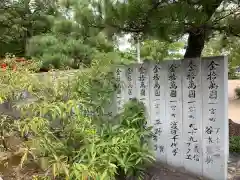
233	103
161	172
234	110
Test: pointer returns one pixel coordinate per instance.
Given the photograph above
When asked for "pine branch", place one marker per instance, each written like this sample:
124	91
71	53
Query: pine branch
124	29
225	29
210	8
227	15
140	27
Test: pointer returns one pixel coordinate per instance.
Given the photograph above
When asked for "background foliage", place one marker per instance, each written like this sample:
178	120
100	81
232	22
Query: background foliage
19	23
64	33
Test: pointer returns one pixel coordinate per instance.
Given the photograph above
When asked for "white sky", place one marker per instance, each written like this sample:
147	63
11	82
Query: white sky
124	43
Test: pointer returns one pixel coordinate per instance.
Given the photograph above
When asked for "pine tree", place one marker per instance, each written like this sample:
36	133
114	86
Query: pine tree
163	19
20	20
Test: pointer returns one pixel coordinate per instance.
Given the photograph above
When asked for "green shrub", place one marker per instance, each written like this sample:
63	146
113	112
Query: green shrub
232	74
237	92
233	77
64	141
133	120
234	144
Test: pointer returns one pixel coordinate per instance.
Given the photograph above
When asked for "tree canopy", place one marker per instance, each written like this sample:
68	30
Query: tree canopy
163	19
21	20
72	32
67	45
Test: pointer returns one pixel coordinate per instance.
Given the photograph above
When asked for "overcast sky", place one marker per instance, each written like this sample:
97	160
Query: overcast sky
124	43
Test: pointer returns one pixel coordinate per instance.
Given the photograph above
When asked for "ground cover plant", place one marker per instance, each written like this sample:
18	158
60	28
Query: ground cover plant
234	144
62	129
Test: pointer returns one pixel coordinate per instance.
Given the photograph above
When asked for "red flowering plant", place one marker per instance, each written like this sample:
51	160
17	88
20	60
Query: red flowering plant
13	62
4	66
12	68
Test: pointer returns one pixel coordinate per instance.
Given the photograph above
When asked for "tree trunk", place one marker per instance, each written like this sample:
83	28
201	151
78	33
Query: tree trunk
197	36
195	44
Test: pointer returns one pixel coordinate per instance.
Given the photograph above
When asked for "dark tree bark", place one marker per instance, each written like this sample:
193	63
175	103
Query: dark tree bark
195	44
198	35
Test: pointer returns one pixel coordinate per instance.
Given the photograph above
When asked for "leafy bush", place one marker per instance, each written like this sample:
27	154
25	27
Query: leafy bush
232	73
234	144
67	45
233	77
237	92
64	129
